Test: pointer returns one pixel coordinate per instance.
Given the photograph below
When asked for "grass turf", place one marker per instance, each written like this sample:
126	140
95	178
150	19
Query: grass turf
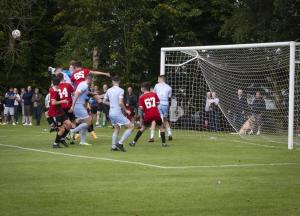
40	183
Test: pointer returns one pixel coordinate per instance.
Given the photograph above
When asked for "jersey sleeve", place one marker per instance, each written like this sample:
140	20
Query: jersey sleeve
121	95
71	88
86	72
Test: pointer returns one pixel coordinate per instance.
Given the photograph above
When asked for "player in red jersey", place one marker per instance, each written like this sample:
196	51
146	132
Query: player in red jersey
79	73
148	102
56	112
65	91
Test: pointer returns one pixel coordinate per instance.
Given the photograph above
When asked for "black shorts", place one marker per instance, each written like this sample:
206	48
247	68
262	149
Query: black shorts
94	109
103	108
71	115
148	123
59	120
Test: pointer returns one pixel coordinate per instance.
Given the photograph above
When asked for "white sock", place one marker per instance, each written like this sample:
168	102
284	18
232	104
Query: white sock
169	132
152	134
126	134
114	139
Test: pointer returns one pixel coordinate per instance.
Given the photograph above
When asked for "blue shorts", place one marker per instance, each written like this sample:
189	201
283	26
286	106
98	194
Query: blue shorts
163	110
118	119
80	111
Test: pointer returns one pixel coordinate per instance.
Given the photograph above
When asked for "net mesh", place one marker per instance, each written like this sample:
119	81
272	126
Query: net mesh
241	90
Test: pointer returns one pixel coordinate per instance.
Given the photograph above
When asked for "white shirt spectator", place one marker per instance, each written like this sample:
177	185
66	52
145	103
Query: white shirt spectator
17	100
47	101
164	92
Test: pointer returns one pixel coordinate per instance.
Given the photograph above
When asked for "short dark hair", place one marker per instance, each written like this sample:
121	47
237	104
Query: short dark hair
146	86
60	76
75	63
115	79
56	81
163	77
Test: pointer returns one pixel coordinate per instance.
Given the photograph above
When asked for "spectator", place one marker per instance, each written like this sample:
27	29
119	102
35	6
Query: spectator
258	108
214	112
22	105
240	107
207	110
131	102
27	97
16	105
10	97
37	100
103	109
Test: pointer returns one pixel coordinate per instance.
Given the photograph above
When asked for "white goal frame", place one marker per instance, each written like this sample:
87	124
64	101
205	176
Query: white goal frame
292	68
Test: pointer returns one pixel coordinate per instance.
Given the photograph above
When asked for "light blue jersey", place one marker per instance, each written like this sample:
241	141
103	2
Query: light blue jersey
164	92
83	87
113	95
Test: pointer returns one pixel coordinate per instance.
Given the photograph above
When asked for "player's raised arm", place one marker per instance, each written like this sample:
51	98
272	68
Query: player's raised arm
100	73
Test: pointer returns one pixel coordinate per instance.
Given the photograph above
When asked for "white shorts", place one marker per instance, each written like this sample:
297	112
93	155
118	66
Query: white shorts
163	110
9	111
80	111
118	119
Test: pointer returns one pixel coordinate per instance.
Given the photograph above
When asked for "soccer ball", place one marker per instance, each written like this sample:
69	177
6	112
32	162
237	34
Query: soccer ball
16	34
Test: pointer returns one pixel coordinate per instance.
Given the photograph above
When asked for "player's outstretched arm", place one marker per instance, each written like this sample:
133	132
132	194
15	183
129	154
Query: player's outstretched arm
100	73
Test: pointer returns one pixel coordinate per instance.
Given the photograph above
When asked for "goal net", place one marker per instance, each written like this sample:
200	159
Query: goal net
252	90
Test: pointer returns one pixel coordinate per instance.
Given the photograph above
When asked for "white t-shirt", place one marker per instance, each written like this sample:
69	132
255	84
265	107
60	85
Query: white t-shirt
17	100
164	92
47	101
113	95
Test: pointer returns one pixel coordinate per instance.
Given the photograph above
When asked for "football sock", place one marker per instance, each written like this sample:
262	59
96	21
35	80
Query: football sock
91	128
57	139
65	133
114	139
152	134
83	134
125	135
163	137
169	132
50	120
137	136
79	127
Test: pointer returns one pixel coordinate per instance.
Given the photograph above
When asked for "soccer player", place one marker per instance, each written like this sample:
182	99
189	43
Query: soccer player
65	91
79	75
149	102
115	98
164	93
80	111
56	112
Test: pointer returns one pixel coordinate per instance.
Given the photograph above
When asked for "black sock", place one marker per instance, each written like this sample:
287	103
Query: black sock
91	128
50	120
163	137
137	136
57	139
65	133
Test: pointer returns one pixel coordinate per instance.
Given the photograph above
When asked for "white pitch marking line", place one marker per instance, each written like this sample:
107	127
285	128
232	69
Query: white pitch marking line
149	165
256	144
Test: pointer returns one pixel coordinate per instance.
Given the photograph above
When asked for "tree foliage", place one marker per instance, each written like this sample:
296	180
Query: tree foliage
124	37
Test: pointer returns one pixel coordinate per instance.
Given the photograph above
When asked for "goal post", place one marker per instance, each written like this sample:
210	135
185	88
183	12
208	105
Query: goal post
268	68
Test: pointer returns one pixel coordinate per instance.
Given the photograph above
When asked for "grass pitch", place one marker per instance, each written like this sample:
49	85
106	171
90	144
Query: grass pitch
205	174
